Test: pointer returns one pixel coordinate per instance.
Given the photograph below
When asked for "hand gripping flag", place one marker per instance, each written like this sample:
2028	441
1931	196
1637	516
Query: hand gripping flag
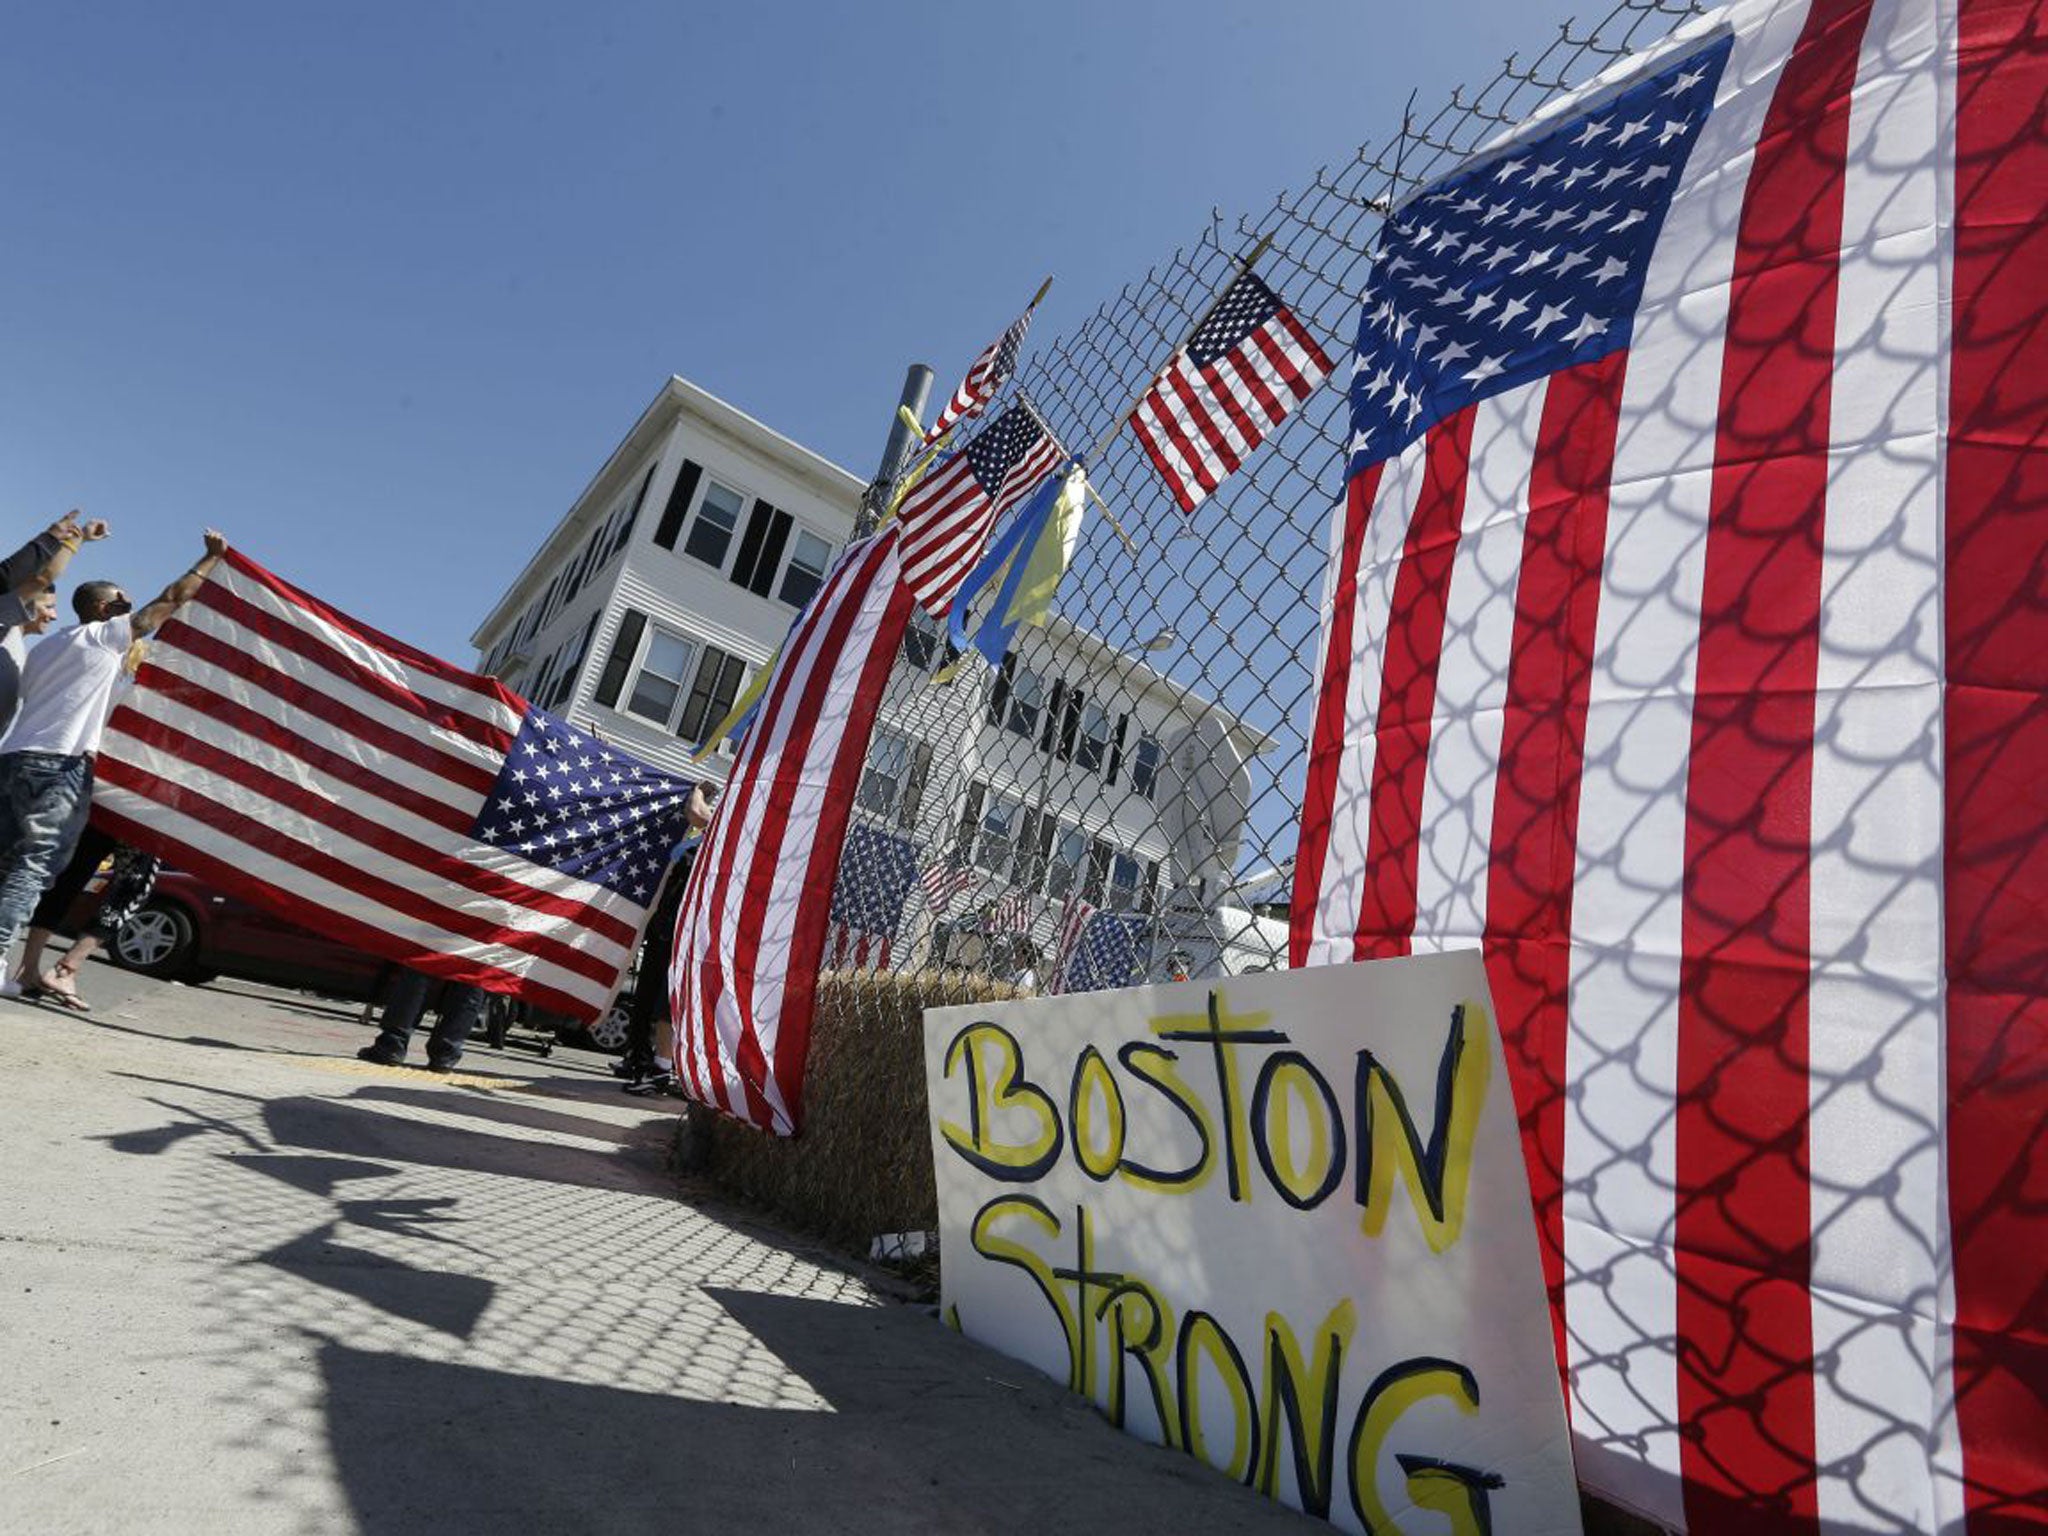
1684	646
1247	365
753	928
306	763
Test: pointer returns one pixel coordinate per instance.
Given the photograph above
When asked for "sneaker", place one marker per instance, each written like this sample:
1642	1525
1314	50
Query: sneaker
651	1087
382	1058
442	1067
9	987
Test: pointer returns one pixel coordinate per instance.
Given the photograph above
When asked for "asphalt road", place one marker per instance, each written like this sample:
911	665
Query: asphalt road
250	1284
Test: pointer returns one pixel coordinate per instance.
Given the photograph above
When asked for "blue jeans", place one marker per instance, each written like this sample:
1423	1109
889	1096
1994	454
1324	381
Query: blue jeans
461	1007
44	800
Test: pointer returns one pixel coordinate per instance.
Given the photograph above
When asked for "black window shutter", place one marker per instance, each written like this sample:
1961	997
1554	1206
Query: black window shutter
678	504
624	644
999	695
1116	749
1070	724
1052	716
751	540
632	517
763	582
913	788
970	817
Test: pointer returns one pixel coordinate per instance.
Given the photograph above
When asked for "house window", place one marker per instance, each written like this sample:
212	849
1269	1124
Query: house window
1145	766
806	568
1093	749
888	771
921	640
1027	701
1126	880
1000	816
1069	860
711	695
657	686
718	514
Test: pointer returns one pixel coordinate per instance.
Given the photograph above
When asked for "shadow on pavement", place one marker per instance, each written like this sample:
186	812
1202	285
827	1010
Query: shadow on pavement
925	1432
511	1111
315	1175
354	1129
440	1299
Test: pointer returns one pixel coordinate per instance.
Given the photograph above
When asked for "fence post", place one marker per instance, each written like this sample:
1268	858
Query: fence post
917	389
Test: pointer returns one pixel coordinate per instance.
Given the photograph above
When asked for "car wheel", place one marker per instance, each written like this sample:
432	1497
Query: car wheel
157	940
608	1033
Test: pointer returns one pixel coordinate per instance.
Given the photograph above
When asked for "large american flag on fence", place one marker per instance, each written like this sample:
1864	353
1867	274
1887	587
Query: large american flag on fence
1248	364
947	518
304	762
753	927
1685	648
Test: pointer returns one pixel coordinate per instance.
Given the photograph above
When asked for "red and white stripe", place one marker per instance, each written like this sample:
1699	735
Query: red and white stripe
946	520
752	929
1706	688
1200	422
855	949
315	767
985	375
1073	923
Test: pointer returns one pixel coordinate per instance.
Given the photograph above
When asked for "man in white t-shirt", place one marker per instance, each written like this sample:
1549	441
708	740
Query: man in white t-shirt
46	757
28	601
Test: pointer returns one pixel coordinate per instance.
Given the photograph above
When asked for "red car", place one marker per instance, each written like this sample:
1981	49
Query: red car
190	931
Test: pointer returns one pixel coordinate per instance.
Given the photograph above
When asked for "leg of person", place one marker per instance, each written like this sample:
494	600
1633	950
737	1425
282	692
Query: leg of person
462	1005
128	885
403	1004
60	982
39	796
90	852
648	1000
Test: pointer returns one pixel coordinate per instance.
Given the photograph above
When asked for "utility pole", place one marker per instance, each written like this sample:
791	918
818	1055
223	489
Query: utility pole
917	389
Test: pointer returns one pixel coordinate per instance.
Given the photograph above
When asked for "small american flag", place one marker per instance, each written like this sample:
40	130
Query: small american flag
1011	913
1073	919
1245	368
943	881
985	376
320	770
947	518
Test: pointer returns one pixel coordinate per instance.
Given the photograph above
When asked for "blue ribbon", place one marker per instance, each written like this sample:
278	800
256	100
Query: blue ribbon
1017	540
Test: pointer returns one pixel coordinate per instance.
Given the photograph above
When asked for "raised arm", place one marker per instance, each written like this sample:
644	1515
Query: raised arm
29	568
167	602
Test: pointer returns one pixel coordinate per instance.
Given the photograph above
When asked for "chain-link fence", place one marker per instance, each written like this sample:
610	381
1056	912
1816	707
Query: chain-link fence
1118	802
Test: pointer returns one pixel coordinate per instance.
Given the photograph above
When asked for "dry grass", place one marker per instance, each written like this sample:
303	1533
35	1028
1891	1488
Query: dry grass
863	1164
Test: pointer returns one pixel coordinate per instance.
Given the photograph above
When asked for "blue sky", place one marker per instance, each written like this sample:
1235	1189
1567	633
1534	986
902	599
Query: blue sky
376	288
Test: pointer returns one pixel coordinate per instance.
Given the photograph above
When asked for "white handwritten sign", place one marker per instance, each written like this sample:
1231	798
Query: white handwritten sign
1278	1221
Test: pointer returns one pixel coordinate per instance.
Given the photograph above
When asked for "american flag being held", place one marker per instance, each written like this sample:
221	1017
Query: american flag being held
947	518
308	764
1684	649
985	376
1248	364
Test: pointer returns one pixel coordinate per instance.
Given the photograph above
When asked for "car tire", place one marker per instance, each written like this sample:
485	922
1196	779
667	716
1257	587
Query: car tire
158	939
608	1032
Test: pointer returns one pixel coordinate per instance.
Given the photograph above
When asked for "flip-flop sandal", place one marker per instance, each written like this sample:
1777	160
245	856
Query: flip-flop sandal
44	993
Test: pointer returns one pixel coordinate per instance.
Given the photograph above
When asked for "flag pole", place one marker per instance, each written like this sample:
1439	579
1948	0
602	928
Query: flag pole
1244	264
1092	496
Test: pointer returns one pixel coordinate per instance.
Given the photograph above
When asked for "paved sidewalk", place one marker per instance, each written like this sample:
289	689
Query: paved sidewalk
249	1284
